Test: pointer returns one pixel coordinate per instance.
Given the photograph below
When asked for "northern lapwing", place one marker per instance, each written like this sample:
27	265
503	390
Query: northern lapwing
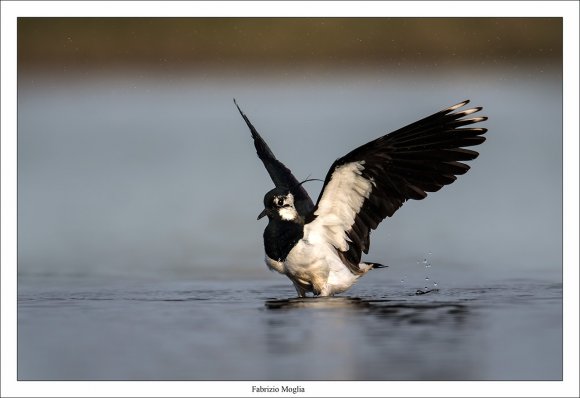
319	246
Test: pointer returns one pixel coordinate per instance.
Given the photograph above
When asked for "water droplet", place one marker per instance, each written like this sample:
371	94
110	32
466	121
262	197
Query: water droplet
435	284
425	261
430	253
428	265
426	278
402	281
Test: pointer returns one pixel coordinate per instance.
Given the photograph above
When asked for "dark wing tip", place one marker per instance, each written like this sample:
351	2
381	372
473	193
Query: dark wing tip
468	111
457	106
239	110
253	130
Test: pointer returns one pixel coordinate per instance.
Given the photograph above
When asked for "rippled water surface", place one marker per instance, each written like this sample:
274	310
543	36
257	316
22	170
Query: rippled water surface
254	330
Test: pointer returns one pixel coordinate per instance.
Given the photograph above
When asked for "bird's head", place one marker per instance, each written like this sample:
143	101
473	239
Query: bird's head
279	205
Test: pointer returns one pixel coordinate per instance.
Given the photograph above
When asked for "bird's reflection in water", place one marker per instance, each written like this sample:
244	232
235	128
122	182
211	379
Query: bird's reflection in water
398	311
318	302
369	339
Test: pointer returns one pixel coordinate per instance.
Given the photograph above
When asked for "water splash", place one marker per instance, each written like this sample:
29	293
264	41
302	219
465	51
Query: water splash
427	263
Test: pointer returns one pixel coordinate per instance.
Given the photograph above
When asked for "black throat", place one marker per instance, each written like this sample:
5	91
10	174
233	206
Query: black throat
280	236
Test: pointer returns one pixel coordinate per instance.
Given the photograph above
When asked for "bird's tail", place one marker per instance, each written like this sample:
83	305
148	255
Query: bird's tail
376	265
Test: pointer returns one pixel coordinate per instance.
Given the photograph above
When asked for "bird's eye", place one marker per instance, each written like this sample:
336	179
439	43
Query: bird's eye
280	201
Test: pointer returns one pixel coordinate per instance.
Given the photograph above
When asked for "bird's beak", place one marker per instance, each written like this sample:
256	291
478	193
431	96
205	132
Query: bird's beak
263	213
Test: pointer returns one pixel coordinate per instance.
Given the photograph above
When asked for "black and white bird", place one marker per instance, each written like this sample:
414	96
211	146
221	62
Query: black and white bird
319	247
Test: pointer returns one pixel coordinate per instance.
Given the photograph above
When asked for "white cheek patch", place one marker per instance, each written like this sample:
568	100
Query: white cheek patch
341	201
288	212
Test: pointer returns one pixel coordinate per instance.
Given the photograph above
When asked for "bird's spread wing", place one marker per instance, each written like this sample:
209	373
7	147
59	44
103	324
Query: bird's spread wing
374	180
280	174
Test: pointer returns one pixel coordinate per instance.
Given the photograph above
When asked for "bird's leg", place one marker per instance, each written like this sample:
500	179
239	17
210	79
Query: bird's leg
301	292
326	292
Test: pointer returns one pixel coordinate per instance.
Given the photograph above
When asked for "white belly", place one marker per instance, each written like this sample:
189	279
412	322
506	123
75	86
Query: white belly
317	268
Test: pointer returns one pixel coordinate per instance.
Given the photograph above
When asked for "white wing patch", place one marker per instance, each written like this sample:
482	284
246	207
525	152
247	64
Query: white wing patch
341	201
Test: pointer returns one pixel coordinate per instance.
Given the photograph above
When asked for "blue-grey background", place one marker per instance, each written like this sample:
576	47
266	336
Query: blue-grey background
137	175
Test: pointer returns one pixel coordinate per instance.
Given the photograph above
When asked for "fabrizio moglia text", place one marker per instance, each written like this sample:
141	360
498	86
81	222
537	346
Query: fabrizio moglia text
283	389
